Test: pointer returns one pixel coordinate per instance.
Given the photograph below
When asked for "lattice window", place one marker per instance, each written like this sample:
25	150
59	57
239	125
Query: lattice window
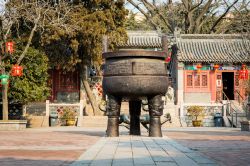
197	80
218	95
67	81
218	77
237	83
189	80
204	80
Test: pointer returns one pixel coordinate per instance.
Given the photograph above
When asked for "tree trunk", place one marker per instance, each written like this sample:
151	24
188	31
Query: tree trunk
89	91
5	101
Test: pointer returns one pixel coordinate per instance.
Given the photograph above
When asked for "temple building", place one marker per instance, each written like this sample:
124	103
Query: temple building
209	67
207	70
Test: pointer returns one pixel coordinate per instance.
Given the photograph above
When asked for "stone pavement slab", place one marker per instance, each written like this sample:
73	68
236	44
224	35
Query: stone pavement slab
45	146
63	145
135	151
226	146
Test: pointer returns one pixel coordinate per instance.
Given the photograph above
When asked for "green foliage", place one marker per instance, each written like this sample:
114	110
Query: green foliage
32	86
80	37
68	32
195	112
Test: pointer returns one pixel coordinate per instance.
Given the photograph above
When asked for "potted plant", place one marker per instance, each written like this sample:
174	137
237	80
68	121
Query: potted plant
196	113
69	116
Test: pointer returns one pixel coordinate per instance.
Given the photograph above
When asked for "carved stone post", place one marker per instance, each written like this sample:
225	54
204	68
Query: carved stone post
135	111
113	112
155	111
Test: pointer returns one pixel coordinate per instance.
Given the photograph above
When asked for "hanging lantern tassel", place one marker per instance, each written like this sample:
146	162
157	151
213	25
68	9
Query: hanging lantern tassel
17	70
199	66
216	67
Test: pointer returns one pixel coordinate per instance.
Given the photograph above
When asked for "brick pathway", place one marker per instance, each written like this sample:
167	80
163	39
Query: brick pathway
134	151
226	146
179	146
45	147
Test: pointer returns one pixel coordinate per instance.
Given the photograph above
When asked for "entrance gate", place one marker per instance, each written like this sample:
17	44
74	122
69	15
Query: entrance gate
228	85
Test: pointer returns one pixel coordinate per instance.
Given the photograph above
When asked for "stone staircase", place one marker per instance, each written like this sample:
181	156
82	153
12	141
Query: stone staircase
101	121
237	113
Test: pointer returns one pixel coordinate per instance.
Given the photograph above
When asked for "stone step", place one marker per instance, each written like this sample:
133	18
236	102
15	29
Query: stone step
239	120
94	121
175	123
37	121
101	121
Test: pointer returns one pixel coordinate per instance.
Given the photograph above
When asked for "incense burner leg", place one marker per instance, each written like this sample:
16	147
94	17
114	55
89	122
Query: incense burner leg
113	112
135	111
155	104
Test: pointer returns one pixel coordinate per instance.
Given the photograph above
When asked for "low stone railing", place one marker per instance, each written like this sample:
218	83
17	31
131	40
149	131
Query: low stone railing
75	106
209	109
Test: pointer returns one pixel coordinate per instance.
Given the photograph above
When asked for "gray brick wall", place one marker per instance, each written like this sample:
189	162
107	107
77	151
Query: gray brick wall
208	121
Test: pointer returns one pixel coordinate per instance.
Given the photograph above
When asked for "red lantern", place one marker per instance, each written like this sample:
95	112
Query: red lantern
9	47
199	66
216	67
168	59
244	66
17	70
243	72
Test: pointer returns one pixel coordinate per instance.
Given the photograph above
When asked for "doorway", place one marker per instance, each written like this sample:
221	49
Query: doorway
228	84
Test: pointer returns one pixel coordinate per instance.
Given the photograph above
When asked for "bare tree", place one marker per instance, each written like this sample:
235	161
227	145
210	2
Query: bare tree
200	16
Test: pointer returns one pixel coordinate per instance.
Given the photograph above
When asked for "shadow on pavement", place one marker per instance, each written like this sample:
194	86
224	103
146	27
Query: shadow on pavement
212	133
33	162
89	133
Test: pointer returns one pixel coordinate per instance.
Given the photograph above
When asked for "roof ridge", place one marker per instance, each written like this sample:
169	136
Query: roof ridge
210	36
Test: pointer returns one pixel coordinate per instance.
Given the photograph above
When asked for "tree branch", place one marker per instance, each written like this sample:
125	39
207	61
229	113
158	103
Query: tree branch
195	6
222	16
30	39
144	13
201	15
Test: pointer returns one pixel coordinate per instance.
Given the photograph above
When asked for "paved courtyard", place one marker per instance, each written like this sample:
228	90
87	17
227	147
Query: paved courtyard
88	146
134	150
226	146
45	147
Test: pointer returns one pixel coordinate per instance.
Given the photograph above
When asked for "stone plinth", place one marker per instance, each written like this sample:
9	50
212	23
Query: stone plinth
245	126
94	121
38	121
12	125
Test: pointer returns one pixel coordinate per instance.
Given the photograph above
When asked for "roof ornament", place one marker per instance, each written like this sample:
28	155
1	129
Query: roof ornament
177	33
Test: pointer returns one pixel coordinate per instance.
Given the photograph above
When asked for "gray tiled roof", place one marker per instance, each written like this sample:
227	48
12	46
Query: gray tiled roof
142	39
195	47
212	48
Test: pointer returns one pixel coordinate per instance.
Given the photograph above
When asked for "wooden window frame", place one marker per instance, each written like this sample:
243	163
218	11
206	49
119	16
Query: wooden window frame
195	75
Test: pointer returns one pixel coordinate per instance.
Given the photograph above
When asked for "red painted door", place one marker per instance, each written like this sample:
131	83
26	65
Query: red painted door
66	82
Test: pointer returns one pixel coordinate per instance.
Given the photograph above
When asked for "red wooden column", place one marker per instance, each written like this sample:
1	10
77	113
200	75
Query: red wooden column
236	85
218	82
213	85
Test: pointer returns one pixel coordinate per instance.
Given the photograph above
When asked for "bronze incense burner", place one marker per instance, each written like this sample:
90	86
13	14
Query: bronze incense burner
133	75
